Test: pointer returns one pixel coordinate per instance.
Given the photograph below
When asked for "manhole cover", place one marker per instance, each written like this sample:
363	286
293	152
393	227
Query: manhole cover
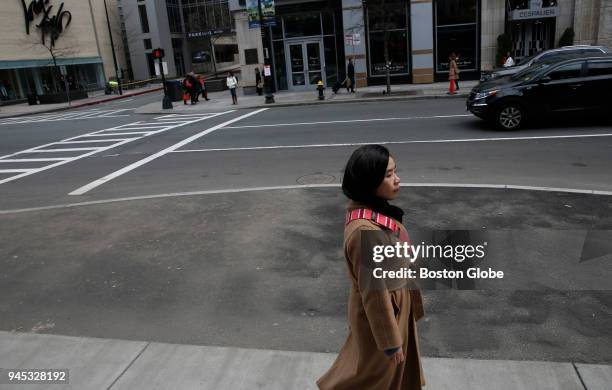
316	179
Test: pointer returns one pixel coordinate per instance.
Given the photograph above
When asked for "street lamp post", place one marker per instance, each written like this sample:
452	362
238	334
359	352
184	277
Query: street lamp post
264	36
110	34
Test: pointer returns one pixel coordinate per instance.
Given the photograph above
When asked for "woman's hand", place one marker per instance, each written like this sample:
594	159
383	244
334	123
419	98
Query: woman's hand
397	357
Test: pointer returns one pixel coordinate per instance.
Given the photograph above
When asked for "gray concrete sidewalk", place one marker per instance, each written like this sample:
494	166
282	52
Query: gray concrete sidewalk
95	97
221	101
117	364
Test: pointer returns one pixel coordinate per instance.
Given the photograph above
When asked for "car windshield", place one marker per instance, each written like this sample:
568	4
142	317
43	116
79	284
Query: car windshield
529	73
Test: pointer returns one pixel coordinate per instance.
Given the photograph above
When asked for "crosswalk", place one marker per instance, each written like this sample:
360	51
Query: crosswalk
66	116
40	158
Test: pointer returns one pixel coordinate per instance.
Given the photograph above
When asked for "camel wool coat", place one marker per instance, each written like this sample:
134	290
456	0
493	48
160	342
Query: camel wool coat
378	320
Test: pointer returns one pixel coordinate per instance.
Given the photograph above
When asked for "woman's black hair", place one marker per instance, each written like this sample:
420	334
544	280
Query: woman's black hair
364	172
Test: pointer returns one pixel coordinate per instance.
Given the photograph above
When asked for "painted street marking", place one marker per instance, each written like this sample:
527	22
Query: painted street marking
303	186
118	139
351	121
64	116
352	144
88	187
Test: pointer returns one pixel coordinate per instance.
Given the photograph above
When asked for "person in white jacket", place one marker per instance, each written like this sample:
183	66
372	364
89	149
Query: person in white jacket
509	61
232	83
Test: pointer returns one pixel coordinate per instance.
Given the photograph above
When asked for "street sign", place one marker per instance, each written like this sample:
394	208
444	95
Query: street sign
267	71
63	70
164	65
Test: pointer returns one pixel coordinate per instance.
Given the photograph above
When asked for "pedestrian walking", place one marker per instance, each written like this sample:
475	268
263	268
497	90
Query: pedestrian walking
508	60
202	83
381	351
258	82
453	72
189	87
350	73
232	83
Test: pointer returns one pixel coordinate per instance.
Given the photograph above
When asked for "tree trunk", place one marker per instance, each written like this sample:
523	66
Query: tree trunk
387	65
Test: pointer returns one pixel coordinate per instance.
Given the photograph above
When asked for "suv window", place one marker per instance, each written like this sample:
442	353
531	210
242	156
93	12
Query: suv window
600	68
557	55
568	71
592	51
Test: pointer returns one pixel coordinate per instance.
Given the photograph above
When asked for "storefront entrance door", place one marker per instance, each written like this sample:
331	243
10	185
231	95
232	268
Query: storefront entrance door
305	64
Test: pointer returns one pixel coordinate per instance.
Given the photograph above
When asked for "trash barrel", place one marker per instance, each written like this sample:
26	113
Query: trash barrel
32	99
175	90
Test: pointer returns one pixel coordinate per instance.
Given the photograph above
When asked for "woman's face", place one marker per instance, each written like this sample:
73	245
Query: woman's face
389	188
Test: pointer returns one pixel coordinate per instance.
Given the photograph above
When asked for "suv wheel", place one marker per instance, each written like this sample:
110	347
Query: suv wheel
510	116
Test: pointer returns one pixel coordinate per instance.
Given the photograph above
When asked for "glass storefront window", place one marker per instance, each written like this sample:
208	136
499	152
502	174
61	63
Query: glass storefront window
302	25
331	64
393	15
328	23
455	12
456	32
280	68
398	53
460	40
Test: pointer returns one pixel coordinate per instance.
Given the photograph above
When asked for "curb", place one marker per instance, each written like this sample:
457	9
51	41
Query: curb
316	102
82	104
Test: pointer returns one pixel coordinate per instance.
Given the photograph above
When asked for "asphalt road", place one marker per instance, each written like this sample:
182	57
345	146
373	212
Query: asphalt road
207	253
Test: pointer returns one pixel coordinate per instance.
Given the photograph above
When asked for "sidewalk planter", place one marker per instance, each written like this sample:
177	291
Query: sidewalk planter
61	97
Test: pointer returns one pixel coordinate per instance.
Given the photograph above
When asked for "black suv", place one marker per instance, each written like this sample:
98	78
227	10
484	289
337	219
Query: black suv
553	55
574	85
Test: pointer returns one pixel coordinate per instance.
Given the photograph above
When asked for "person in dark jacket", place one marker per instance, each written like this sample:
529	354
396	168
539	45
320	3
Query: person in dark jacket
258	82
350	73
202	83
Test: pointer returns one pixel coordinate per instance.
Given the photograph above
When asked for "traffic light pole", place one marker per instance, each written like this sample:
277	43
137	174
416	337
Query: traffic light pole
110	34
166	102
264	35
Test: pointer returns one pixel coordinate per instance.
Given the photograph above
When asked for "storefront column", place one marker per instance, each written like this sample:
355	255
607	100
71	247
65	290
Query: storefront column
37	81
354	39
101	78
421	23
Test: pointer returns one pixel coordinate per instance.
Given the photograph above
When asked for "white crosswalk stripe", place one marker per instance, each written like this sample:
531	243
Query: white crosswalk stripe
66	116
119	135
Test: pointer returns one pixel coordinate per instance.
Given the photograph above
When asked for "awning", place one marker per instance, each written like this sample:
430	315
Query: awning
49	62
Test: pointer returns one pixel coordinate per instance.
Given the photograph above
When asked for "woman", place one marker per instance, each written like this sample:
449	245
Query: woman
453	70
258	83
381	351
232	83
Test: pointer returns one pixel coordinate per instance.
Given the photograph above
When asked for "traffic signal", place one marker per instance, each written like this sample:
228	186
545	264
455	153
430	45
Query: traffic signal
158	53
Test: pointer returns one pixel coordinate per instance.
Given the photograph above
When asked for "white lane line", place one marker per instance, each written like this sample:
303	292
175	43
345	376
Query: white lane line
350	121
394	143
305	186
33	159
88	187
56	150
14	170
124	133
93	140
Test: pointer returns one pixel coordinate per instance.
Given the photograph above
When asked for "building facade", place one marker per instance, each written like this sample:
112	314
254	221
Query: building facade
43	39
312	40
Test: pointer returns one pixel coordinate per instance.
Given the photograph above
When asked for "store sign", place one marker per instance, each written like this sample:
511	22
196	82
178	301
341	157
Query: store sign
352	39
50	25
535	11
197	34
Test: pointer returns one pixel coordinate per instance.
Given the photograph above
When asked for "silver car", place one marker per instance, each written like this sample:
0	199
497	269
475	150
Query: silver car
548	56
